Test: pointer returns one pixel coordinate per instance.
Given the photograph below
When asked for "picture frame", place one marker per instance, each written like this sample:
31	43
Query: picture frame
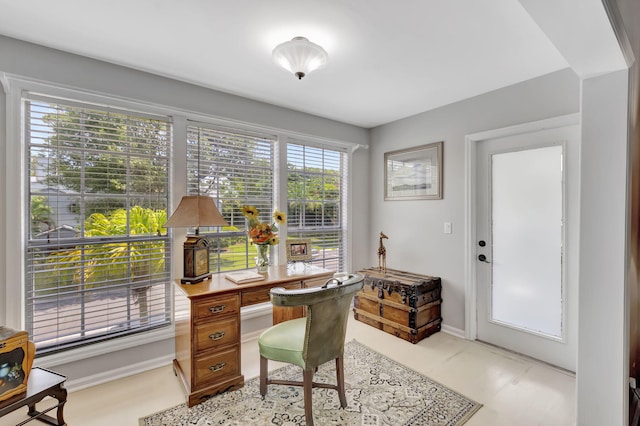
414	173
298	250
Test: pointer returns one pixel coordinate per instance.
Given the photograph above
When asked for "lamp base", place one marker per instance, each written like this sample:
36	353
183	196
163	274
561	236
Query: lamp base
195	280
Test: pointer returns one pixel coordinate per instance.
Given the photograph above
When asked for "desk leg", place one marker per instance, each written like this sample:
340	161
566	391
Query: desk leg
58	393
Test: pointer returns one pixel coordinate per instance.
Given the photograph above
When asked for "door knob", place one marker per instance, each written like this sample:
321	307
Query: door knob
483	258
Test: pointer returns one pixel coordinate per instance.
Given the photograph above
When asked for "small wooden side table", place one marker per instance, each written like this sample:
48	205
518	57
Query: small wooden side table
41	383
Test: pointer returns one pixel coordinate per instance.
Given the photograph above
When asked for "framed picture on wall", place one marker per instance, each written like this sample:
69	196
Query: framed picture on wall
298	250
414	173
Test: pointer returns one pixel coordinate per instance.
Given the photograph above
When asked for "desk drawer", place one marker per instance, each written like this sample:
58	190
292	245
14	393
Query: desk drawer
216	334
216	307
261	295
210	368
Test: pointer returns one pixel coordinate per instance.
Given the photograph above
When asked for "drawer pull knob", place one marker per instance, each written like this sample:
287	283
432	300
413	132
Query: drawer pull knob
217	308
219	366
217	335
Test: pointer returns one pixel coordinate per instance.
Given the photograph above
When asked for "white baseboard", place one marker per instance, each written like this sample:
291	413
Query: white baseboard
253	312
251	336
453	331
128	370
73	385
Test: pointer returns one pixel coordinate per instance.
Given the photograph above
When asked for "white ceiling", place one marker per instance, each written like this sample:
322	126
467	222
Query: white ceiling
387	59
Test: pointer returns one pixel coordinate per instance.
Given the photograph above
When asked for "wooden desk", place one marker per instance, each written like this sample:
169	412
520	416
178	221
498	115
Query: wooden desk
41	383
208	338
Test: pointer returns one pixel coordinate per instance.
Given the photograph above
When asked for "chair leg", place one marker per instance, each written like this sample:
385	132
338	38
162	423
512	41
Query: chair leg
307	384
263	375
340	380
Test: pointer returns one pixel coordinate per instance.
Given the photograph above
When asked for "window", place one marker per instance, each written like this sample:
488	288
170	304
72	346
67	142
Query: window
97	264
317	202
234	168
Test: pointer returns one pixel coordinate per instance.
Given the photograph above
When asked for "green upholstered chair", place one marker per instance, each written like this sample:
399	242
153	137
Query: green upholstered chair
311	341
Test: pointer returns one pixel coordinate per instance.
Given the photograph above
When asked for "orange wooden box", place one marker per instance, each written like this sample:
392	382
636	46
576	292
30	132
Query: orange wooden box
16	359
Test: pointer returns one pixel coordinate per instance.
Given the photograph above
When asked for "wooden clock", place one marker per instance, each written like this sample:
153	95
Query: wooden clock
196	260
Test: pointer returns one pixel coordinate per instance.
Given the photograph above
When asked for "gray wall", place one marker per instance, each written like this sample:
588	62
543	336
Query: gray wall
64	69
416	241
52	65
415	228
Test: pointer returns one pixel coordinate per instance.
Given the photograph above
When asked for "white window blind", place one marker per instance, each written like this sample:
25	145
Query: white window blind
234	168
97	262
317	182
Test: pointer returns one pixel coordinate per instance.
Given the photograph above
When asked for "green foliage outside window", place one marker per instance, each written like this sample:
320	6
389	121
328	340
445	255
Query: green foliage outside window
104	176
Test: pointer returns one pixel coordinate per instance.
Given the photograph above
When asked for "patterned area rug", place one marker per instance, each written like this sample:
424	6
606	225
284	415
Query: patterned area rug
379	392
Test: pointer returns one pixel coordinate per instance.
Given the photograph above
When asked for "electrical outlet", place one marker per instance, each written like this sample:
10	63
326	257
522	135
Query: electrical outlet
447	227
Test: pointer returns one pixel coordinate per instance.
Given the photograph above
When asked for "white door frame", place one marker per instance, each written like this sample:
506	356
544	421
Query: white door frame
471	141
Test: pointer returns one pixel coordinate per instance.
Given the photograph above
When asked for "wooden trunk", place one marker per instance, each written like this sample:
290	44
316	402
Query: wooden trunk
401	303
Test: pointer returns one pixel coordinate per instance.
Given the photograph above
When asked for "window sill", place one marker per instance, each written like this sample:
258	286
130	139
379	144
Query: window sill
115	345
103	348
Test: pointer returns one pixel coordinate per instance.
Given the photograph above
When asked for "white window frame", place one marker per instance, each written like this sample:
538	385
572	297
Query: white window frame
265	214
13	213
16	213
345	194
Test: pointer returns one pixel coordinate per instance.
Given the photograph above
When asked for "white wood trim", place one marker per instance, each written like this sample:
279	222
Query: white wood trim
102	348
470	321
255	311
615	18
453	331
14	215
471	142
247	337
73	385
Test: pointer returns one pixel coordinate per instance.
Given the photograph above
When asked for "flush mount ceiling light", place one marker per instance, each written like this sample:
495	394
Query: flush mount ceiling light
300	56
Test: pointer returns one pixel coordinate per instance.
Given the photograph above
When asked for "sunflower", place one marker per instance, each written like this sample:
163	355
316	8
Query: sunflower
263	233
250	212
280	217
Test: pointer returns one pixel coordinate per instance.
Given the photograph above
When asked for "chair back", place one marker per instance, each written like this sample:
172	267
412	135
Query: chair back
327	314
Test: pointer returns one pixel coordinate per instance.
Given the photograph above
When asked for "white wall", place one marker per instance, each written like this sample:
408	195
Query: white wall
602	352
51	66
415	228
3	204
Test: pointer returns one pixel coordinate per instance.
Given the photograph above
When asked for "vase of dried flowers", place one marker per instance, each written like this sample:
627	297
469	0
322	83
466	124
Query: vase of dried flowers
262	260
263	234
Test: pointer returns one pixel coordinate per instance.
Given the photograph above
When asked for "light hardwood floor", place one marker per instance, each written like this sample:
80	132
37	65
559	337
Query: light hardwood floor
513	390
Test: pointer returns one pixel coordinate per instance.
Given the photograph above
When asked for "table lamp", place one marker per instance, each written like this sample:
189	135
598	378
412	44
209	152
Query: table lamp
196	211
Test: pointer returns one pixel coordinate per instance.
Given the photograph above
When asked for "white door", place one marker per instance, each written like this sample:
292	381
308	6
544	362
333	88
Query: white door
527	190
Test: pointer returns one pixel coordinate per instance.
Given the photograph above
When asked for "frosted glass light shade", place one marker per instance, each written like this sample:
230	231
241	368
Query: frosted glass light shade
195	210
300	56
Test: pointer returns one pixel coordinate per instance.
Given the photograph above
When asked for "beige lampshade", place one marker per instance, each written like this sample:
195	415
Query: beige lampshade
195	210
